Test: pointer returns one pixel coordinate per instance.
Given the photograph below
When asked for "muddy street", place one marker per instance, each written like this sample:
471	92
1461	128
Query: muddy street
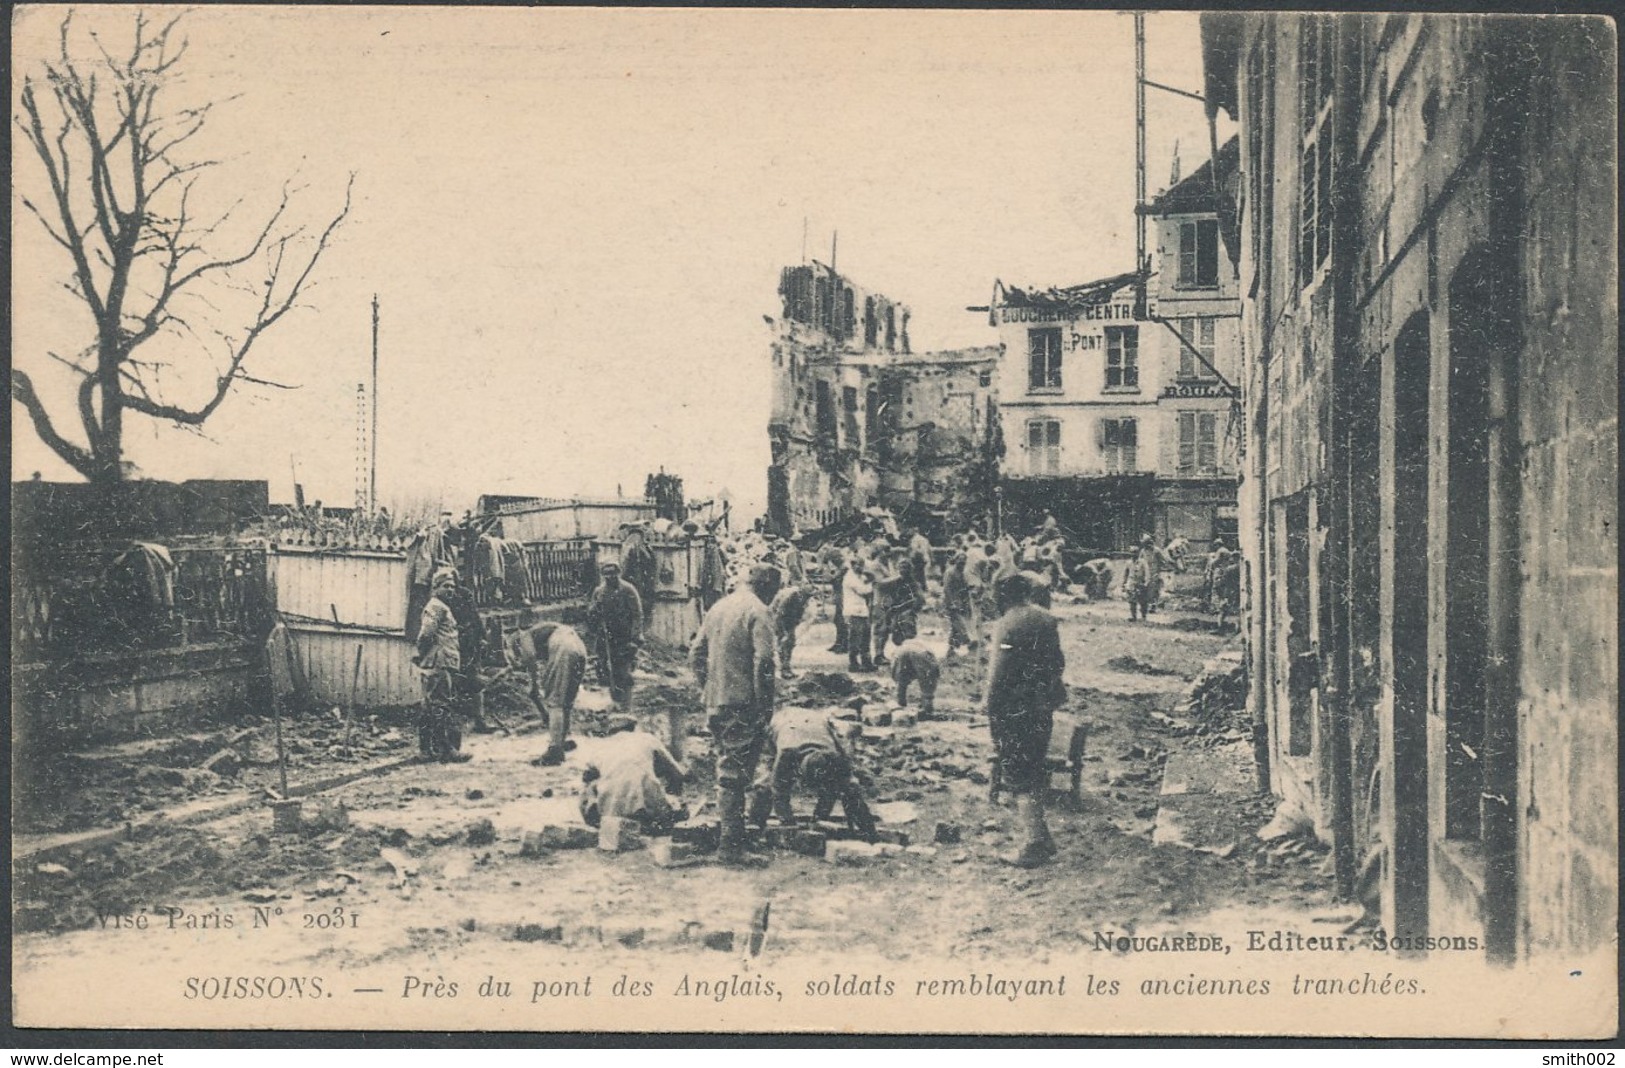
428	864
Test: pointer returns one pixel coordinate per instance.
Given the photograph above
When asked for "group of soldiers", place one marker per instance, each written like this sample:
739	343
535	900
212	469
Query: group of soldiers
452	643
995	596
762	753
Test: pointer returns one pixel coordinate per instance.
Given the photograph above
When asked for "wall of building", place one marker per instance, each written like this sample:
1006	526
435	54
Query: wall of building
896	428
1066	431
1432	444
1570	440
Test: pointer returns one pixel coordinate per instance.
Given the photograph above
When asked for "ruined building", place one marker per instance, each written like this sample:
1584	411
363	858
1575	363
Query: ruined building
1425	233
1123	420
858	419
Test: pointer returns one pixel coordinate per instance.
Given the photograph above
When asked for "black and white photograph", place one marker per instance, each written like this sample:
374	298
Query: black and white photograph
814	521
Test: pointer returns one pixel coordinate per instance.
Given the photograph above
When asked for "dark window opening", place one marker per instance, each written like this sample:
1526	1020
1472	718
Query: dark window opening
1316	70
1408	623
1303	676
826	414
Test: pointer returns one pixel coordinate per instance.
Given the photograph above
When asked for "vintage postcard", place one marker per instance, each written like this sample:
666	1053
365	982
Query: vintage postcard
563	519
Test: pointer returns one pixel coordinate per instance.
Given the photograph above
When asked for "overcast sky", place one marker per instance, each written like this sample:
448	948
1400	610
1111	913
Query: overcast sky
575	220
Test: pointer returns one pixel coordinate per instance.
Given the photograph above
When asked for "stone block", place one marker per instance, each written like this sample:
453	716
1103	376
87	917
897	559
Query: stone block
536	843
876	716
904	717
849	851
536	932
809	843
568	837
701	835
670	853
480	833
321	814
948	834
617	835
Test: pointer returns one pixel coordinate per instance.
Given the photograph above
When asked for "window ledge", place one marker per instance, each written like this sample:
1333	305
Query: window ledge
1191	287
1120	389
1046	391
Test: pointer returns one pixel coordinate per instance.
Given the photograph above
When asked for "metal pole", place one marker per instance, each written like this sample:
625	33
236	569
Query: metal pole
372	475
1139	164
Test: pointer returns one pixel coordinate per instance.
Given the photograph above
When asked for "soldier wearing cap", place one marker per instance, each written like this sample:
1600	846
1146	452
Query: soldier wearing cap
734	662
440	734
615	612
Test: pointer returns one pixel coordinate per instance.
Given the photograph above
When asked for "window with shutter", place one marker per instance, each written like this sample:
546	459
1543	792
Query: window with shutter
1119	445
1316	69
1044	446
1198	444
1207	445
1198	334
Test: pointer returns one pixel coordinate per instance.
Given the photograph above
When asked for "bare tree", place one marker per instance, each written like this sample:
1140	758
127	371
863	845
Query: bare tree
121	184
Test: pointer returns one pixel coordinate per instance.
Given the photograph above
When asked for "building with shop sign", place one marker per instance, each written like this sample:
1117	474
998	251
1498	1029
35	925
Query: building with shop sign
1122	420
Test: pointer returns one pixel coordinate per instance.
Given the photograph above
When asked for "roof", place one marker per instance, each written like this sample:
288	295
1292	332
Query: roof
1099	291
1197	193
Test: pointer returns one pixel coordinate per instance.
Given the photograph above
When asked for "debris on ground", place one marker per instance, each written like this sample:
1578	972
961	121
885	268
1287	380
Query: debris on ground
504	832
1131	664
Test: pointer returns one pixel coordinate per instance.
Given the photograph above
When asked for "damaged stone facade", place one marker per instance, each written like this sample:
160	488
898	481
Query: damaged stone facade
858	420
1425	235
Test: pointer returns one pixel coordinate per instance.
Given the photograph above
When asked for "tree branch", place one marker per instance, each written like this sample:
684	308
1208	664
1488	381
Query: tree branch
271	310
22	391
56	169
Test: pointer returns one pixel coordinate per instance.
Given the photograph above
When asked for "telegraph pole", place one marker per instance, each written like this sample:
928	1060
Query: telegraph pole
1139	166
372	471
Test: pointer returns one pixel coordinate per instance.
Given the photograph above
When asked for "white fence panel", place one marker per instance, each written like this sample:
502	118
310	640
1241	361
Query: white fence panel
366	589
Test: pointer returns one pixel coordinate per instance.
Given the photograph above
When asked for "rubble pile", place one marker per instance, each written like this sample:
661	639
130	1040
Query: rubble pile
158	866
905	767
107	786
1215	704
